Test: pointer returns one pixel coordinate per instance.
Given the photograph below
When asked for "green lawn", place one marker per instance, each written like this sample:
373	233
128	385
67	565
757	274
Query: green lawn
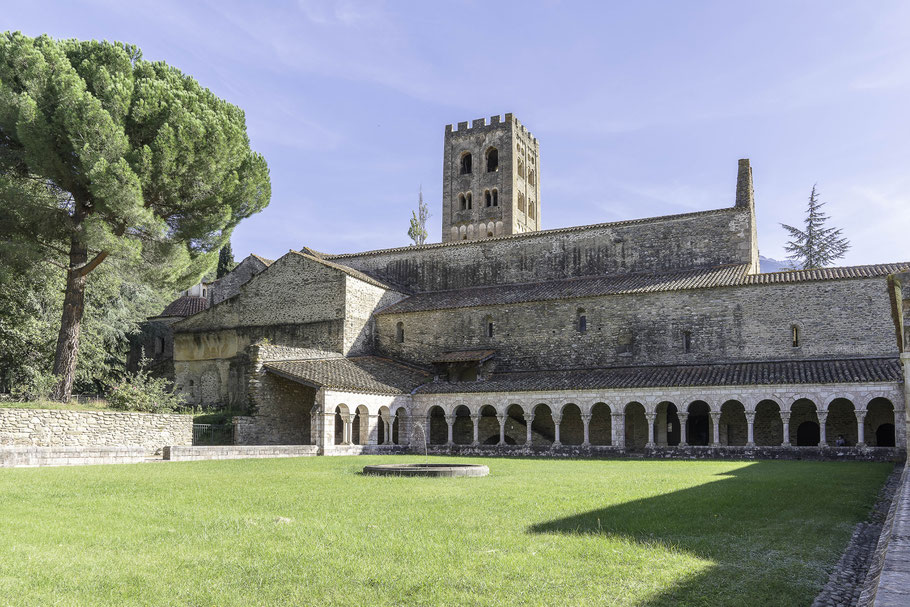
313	531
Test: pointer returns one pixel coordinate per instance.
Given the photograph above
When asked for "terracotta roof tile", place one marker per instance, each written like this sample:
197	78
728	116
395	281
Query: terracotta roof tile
186	306
369	374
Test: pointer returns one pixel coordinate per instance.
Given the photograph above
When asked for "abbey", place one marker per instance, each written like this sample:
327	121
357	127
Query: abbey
653	335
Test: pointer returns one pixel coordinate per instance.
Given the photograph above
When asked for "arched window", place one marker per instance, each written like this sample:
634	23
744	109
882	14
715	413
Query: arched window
488	326
495	197
490	329
488	197
466	162
462	202
399	332
531	209
794	335
521	202
203	292
531	175
159	345
582	320
521	168
470	201
492	160
687	341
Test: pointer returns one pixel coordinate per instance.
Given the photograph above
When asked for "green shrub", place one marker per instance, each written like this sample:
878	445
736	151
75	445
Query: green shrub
141	392
38	386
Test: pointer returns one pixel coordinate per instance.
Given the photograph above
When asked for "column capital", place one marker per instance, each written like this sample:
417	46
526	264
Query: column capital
586	417
822	415
750	416
450	419
557	419
475	417
785	417
529	418
682	415
860	414
650	417
715	415
502	418
617	414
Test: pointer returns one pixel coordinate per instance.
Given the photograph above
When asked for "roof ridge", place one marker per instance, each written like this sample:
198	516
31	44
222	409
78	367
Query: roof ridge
347	270
537	233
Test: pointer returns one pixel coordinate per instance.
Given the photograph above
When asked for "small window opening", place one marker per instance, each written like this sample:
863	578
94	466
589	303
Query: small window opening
492	160
399	332
794	336
203	292
582	321
462	202
488	198
531	211
521	202
192	383
466	162
470	200
521	168
531	176
495	198
159	345
687	341
490	329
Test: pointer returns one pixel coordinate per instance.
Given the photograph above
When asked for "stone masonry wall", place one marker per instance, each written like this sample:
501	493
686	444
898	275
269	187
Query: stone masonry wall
361	301
281	415
229	284
51	428
664	243
836	318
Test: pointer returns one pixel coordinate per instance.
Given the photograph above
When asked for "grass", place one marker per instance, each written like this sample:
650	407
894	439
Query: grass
313	531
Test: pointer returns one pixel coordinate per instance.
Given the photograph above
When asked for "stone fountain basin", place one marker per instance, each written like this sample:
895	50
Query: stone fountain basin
439	470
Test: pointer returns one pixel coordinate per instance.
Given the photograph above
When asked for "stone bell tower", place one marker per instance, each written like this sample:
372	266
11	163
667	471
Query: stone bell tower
490	180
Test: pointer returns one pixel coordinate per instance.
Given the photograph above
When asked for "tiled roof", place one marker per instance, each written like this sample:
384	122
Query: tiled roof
537	234
370	374
186	306
645	282
858	370
349	271
265	261
464	356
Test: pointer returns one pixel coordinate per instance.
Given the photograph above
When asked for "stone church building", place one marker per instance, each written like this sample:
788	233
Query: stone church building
654	335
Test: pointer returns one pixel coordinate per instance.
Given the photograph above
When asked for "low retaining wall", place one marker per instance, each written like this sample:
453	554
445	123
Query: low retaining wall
178	453
53	428
888	580
15	457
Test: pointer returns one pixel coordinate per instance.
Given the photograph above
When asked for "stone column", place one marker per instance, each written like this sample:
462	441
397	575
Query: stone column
785	418
557	419
475	421
715	421
860	427
450	422
683	418
327	431
822	418
387	435
651	417
348	429
502	428
372	422
529	419
618	430
750	428
586	422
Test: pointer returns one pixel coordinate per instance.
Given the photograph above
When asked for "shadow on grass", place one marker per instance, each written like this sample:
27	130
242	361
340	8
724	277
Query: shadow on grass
765	526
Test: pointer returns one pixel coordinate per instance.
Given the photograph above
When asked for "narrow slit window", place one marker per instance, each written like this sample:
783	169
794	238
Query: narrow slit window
495	198
582	321
488	198
466	162
490	329
794	336
687	341
399	332
470	201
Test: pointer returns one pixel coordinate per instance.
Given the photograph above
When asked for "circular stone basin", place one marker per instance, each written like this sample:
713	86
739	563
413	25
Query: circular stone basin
447	470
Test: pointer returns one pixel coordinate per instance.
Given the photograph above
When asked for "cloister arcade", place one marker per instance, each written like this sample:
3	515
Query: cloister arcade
863	419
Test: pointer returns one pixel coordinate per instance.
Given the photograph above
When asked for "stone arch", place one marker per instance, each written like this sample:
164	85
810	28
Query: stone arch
492	160
360	428
840	421
636	426
383	425
341	414
465	163
516	425
667	424
454	232
399	422
734	430
699	426
498	228
600	428
470	231
462	202
543	428
879	425
803	415
463	426
438	429
768	428
571	428
488	426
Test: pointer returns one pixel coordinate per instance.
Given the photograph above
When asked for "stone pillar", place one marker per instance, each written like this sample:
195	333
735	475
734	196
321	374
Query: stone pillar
715	421
450	422
618	430
822	418
785	418
683	418
586	422
557	419
327	433
387	435
372	422
750	428
860	427
348	429
502	428
651	417
529	419
475	421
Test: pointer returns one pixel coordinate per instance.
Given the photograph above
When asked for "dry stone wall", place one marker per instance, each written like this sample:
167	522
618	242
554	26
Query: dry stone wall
52	428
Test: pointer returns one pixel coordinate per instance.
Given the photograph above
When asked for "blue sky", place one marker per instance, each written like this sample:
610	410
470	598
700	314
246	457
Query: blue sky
641	108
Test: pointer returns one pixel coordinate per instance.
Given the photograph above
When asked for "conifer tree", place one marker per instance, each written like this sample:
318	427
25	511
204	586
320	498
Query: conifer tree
816	246
418	230
225	260
104	154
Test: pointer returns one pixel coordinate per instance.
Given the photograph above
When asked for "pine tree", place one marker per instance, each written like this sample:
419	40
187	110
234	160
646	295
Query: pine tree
418	230
817	246
226	261
104	154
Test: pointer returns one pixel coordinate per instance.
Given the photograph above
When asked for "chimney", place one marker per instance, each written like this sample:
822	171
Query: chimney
745	195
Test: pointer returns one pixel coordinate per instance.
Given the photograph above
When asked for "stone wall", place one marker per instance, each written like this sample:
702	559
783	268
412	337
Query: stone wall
229	284
659	244
198	453
52	428
361	301
281	415
19	457
835	318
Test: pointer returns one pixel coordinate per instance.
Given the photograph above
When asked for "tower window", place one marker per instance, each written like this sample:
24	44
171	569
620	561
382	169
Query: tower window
469	200
462	202
488	197
490	329
495	197
492	160
521	202
531	211
582	321
399	332
159	345
531	175
521	168
794	336
687	341
466	162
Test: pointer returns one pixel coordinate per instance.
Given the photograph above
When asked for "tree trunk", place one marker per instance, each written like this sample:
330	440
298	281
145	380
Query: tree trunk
71	322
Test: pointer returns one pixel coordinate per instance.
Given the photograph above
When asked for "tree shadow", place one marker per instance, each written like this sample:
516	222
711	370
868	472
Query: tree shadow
771	530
